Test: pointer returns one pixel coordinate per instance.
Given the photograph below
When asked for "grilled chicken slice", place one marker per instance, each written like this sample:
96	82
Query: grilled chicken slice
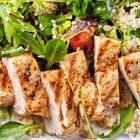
6	90
63	120
30	95
106	70
130	68
92	101
108	87
126	97
106	52
75	68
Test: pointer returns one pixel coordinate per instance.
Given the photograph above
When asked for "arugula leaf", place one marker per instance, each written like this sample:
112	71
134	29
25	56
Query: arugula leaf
46	21
14	130
18	33
4	14
138	13
54	51
112	33
126	116
12	51
69	2
2	33
3	112
80	7
101	11
53	0
17	3
136	32
34	44
18	25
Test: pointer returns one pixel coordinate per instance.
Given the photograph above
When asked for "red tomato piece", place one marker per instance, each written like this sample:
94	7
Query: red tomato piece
82	41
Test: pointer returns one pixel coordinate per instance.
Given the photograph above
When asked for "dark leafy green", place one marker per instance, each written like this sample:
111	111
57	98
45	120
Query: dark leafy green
102	10
138	13
12	51
2	33
122	2
54	51
112	33
14	130
136	32
79	7
18	33
47	19
3	112
126	116
35	47
85	8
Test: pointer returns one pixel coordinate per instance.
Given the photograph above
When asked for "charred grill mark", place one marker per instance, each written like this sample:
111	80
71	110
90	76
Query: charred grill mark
58	87
27	72
53	84
32	96
1	71
103	61
138	87
26	76
69	102
60	116
4	79
130	74
71	70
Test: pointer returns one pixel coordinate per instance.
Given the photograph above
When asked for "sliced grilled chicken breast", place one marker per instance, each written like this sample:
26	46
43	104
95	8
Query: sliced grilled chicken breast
106	70
106	52
130	68
30	95
63	120
6	90
108	87
75	68
92	101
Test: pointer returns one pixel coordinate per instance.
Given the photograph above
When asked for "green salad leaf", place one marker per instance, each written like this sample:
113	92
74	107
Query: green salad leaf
138	13
2	33
18	33
101	10
112	33
136	32
35	47
3	112
17	3
126	116
47	22
12	51
14	130
80	7
54	51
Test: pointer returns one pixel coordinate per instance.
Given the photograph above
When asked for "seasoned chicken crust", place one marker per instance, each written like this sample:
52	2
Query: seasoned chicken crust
106	70
7	97
130	68
106	53
30	95
64	119
93	104
75	69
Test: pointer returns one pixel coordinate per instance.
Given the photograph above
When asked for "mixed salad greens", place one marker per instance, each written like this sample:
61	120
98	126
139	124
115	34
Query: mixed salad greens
21	30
